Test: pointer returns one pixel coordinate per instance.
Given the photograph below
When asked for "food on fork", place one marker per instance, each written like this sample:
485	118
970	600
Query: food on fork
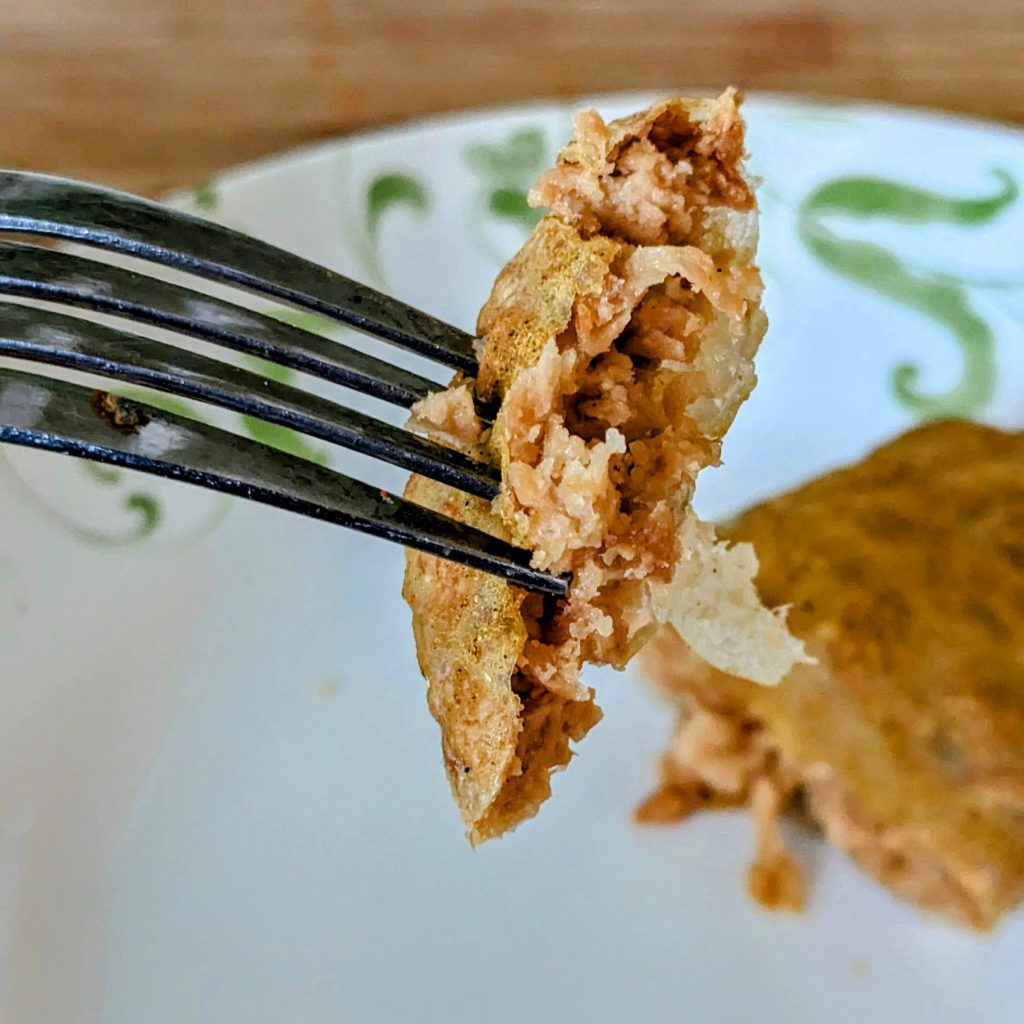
905	742
615	349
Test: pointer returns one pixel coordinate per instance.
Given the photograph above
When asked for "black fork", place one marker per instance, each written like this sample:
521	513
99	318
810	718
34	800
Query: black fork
44	413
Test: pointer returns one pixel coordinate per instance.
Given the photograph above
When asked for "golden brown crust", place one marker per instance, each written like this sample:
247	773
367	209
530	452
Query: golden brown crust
619	342
906	579
533	299
469	635
499	745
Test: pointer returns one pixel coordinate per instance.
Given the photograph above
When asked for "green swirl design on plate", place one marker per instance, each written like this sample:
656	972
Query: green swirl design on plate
205	198
942	297
508	171
144	508
386	191
272	434
389	190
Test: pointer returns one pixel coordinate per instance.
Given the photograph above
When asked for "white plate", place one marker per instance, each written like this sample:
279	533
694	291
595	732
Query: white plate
221	798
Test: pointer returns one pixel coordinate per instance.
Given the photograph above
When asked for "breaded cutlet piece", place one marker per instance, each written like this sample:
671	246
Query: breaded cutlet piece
617	346
905	742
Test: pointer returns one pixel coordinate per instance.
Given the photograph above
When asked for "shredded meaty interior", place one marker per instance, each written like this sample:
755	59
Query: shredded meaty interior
616	349
904	740
602	438
656	187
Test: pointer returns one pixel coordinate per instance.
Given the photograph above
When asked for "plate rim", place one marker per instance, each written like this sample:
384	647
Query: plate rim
248	170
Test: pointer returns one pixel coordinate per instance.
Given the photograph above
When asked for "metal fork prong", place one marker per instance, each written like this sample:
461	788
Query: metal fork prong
39	412
31	271
44	336
42	205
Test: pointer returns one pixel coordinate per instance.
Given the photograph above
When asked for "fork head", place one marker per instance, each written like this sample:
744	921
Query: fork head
55	415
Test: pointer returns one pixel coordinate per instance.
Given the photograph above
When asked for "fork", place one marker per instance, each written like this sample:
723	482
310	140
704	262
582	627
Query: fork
52	414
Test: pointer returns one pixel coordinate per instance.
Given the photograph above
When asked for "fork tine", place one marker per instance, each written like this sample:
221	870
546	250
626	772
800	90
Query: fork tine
39	412
53	338
42	205
55	276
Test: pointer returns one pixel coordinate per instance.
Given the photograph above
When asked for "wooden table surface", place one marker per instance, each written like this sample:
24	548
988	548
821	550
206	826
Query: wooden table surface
149	94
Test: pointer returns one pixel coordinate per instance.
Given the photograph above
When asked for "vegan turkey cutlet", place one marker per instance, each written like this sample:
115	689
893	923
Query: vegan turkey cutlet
905	742
616	347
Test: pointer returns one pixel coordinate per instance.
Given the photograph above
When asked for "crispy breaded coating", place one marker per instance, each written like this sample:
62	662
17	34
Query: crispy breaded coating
905	743
617	346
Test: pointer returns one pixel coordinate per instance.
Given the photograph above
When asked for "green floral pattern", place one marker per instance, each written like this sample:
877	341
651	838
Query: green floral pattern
392	190
508	171
833	222
271	433
205	198
386	190
143	508
941	296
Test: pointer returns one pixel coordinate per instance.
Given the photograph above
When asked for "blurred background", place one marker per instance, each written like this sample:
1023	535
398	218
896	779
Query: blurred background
220	792
153	94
